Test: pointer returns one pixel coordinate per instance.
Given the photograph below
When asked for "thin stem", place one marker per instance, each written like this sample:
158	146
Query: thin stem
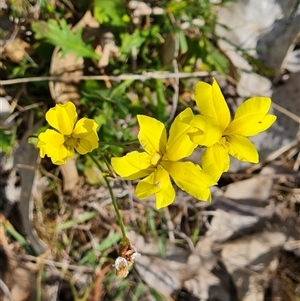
142	77
113	199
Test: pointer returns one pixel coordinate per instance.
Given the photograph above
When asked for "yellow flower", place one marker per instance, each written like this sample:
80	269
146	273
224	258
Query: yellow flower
68	134
161	160
222	136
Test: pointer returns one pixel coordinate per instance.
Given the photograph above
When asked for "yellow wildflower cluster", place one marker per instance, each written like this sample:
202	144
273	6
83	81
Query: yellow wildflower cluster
212	128
68	134
160	160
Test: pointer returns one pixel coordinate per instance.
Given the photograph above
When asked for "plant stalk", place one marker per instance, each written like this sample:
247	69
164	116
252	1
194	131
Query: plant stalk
113	199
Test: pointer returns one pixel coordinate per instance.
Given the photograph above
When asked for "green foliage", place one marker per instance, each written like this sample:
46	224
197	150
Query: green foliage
6	140
18	237
110	106
110	12
138	292
90	258
79	220
212	59
156	295
22	68
131	40
59	34
160	238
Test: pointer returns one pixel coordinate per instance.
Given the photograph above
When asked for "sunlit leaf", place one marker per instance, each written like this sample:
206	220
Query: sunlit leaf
110	12
59	34
6	140
131	40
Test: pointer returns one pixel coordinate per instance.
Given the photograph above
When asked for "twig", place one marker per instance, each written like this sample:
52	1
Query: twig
170	224
273	156
286	112
97	291
142	77
5	290
287	189
16	114
61	265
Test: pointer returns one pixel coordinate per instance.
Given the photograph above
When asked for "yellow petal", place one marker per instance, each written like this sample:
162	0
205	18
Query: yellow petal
242	148
62	117
179	144
62	155
159	184
251	117
190	178
84	127
47	140
133	166
215	160
85	132
87	144
152	135
211	102
146	187
51	143
209	131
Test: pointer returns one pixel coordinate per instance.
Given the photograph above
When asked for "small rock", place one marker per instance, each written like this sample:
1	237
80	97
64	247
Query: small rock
198	276
257	188
161	272
251	84
4	109
226	225
248	260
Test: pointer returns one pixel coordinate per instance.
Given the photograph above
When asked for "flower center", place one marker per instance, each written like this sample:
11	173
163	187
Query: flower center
155	159
223	142
71	142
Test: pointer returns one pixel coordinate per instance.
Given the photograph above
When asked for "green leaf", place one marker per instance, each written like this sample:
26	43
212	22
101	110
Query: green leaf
161	99
176	6
110	12
108	242
156	295
6	140
131	40
104	245
183	45
18	237
120	89
212	58
61	35
79	220
138	292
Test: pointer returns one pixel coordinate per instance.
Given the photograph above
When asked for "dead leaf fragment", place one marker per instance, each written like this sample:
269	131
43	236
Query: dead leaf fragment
15	50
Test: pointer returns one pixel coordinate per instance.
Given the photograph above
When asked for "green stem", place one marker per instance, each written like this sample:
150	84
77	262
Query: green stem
124	145
113	199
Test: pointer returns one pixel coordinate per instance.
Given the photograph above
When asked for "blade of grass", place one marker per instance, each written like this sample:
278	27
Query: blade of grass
18	237
103	246
79	220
